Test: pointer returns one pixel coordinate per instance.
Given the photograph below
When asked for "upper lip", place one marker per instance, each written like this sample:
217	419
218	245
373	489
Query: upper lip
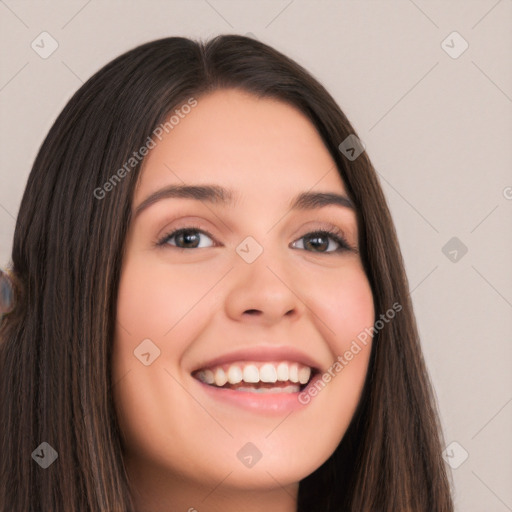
261	353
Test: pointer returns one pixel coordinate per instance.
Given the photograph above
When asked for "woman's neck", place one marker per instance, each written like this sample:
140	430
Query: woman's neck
157	491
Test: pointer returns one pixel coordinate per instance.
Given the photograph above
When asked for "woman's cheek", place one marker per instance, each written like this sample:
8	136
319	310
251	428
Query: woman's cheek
345	305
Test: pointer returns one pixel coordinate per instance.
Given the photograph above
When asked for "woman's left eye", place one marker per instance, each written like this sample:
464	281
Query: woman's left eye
189	238
320	240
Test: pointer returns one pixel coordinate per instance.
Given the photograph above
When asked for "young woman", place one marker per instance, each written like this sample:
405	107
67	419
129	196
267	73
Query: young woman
210	305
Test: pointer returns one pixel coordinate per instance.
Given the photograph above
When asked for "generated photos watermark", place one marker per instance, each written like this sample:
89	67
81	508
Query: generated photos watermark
343	360
138	156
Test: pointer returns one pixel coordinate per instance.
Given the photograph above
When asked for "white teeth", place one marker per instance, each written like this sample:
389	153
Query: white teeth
220	377
207	376
254	373
234	374
293	372
282	372
268	373
304	374
251	374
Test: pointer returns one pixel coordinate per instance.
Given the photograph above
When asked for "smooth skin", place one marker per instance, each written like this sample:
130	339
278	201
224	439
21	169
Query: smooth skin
196	301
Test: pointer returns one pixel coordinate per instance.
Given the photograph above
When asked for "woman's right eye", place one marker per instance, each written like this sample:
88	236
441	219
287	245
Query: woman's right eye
185	238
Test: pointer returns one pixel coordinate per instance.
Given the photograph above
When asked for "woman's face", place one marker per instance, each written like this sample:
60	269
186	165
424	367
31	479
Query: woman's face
249	292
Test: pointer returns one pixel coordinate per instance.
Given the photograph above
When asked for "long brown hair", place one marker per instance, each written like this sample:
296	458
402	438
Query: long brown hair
56	344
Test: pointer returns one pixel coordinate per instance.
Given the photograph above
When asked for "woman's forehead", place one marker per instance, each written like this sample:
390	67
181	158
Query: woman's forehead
242	142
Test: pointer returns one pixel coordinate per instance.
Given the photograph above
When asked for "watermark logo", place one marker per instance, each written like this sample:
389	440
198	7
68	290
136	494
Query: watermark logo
454	250
44	45
45	455
344	360
352	147
249	455
249	250
455	455
138	156
147	352
454	45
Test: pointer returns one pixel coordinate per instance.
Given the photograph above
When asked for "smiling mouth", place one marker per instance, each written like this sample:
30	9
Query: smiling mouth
258	377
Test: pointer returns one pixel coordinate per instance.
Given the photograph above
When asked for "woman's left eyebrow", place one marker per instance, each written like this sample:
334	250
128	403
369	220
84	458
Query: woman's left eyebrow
227	197
315	200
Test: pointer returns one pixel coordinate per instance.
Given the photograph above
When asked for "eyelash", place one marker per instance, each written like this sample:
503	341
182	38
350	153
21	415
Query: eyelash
334	233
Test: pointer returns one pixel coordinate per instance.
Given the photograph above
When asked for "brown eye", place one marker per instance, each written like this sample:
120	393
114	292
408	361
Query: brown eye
320	241
185	238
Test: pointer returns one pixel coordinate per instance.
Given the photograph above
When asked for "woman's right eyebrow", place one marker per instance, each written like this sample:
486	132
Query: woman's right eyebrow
216	194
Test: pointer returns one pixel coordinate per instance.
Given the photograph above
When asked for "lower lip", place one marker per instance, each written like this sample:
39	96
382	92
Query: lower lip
257	402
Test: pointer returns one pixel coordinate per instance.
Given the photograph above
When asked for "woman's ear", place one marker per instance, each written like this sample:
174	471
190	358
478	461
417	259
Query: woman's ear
6	293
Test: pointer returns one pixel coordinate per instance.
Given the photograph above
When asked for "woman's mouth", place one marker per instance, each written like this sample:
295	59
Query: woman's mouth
261	379
283	377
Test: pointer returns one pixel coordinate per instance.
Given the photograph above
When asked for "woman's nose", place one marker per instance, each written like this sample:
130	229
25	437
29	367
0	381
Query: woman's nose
262	291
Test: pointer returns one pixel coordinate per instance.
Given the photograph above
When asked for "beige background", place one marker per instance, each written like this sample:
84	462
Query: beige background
437	128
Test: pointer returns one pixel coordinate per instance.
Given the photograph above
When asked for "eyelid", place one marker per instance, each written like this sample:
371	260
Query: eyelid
334	225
